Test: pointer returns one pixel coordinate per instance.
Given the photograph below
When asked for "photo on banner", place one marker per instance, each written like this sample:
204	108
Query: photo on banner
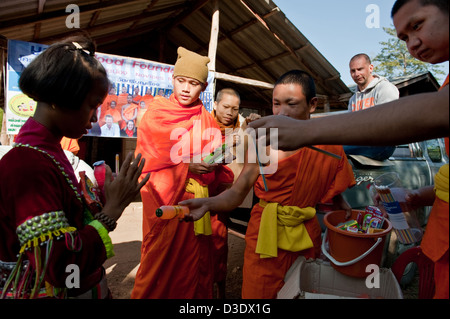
134	84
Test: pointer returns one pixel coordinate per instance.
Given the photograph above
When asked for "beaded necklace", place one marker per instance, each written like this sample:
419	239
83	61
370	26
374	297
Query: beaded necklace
58	165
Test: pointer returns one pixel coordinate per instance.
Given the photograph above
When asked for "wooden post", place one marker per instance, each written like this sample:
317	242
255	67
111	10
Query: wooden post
212	53
326	105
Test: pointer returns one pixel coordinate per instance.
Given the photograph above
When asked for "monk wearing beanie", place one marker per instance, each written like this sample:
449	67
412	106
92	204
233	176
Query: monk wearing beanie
174	135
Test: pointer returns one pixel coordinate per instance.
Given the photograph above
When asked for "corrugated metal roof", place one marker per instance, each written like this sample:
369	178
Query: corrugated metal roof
256	40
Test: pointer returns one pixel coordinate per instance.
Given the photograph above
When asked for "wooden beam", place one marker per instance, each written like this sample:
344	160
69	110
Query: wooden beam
226	35
116	36
177	20
148	9
244	81
41	6
215	26
61	13
94	18
37	31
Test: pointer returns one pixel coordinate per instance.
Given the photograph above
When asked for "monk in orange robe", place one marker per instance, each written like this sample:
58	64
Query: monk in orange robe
148	97
129	113
136	96
112	96
226	114
232	125
117	116
122	99
283	224
176	258
435	243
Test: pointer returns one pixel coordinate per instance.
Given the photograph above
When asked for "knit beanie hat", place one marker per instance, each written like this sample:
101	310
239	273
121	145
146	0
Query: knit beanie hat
191	65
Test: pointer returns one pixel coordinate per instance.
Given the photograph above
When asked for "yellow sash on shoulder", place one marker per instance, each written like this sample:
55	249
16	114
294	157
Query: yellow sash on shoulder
203	225
282	227
441	183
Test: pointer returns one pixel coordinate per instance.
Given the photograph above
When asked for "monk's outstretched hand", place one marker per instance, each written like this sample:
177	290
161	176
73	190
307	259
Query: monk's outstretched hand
198	207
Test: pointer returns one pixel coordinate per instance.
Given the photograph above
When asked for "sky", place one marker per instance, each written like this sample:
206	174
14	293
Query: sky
338	28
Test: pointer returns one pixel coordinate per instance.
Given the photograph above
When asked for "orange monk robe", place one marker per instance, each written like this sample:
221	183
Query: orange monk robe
122	99
175	263
70	144
140	116
218	222
107	102
148	98
117	116
435	242
304	179
129	113
137	98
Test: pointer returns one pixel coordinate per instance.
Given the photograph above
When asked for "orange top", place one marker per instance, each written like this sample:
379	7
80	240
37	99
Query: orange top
304	179
70	145
128	112
169	245
435	242
107	102
117	117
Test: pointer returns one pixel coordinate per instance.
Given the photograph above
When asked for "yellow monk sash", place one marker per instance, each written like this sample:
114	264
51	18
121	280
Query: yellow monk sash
441	183
282	227
203	225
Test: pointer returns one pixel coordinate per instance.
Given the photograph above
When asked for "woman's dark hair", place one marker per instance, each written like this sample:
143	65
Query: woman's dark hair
64	73
301	78
441	4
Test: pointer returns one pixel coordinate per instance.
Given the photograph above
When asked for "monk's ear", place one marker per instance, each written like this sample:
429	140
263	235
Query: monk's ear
205	85
313	105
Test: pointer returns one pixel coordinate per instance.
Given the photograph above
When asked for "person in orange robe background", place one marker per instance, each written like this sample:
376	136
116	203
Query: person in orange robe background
112	96
232	125
176	258
129	112
116	114
122	98
302	179
136	96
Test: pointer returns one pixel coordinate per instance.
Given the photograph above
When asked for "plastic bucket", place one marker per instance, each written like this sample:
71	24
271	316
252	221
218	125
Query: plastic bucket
351	253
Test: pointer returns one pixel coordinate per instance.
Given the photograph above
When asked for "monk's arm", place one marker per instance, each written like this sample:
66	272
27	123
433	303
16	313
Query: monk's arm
227	200
410	119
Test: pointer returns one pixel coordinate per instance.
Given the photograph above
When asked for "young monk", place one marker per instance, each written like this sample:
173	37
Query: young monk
304	178
176	258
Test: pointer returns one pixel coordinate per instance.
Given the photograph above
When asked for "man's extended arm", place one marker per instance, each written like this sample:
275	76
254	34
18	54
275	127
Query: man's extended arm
410	119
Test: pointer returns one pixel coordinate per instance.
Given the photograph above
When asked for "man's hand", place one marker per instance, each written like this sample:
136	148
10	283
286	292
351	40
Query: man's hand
288	137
